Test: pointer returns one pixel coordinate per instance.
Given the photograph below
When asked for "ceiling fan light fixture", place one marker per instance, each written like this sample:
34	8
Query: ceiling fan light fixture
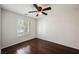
40	10
39	13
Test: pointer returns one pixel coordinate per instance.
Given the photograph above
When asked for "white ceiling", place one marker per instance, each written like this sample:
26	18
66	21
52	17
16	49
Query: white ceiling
24	8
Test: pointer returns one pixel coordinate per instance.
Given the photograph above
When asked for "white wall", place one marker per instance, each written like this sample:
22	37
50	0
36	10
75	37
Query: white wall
61	26
0	28
9	34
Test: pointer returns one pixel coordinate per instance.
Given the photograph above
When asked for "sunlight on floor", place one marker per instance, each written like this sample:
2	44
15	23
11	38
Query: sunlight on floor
24	50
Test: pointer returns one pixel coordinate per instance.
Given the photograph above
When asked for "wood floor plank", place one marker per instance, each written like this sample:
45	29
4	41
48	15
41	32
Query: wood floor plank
39	46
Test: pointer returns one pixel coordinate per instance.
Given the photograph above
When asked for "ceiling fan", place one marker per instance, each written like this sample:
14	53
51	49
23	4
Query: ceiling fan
40	10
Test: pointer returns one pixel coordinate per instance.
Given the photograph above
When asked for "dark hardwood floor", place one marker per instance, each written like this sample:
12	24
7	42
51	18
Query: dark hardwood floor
39	46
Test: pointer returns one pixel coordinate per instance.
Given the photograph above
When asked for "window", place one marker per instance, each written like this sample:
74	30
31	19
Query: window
22	27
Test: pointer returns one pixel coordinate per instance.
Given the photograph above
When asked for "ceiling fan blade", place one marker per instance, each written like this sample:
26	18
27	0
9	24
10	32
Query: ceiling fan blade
32	11
25	14
44	13
48	8
35	5
37	15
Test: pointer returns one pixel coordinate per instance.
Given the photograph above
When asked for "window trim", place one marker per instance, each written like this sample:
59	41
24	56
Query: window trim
28	28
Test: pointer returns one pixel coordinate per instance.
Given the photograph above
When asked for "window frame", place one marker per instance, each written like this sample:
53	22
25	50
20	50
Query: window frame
26	22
